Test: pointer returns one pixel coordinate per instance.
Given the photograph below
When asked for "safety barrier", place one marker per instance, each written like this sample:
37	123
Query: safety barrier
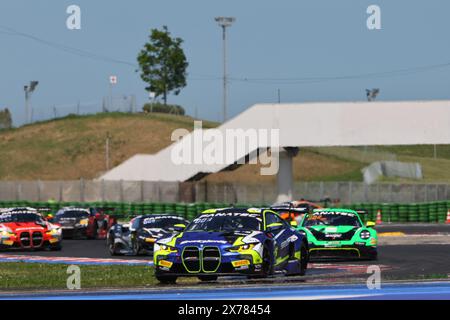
426	212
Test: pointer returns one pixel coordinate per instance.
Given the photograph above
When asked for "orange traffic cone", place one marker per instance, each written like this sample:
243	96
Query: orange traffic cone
379	221
448	217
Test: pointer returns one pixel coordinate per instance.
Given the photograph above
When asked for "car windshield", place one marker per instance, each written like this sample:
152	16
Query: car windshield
331	219
20	217
226	222
162	222
72	214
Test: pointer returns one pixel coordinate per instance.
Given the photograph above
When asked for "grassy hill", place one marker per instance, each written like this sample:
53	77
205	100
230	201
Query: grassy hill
74	147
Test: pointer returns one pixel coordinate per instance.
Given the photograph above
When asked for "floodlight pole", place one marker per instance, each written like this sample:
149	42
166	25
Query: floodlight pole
28	91
27	105
225	22
107	154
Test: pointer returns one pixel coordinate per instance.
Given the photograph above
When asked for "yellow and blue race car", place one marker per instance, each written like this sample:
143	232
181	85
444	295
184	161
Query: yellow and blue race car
232	241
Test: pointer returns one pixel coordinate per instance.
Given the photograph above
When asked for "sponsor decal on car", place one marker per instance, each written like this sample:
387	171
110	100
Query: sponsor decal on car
165	263
203	241
240	263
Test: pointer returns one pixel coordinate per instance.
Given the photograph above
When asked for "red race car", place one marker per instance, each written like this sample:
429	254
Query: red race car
90	223
26	228
295	210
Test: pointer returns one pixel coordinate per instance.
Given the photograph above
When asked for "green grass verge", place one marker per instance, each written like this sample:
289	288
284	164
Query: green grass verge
422	151
36	276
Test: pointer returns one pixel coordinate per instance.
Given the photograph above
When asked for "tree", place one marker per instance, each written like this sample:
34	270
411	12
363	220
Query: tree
163	64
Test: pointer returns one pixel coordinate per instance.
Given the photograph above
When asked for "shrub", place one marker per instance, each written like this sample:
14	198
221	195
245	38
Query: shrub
160	107
5	119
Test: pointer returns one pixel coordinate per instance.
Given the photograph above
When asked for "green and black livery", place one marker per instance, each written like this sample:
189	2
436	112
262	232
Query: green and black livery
339	233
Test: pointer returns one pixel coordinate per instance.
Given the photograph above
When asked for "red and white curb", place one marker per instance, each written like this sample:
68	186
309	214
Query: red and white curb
71	260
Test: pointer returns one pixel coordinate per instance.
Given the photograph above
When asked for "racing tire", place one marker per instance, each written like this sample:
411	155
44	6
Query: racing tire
304	259
112	248
94	231
267	265
136	248
208	278
166	279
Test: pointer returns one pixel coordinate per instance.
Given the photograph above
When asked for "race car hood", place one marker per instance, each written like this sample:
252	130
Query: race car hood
197	238
67	221
332	229
24	226
322	232
157	233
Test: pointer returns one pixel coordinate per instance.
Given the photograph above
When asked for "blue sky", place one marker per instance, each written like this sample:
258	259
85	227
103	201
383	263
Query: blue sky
285	39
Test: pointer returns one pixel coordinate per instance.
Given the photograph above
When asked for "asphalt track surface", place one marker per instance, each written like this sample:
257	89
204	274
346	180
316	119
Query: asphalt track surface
397	262
402	261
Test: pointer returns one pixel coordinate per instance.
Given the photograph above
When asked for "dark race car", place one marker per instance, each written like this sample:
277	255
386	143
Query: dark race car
140	235
91	223
232	241
26	228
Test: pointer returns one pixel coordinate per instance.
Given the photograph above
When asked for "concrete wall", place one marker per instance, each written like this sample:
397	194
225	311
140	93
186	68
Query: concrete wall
145	191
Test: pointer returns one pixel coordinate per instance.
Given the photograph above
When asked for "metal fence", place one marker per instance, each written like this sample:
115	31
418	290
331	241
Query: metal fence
149	191
123	103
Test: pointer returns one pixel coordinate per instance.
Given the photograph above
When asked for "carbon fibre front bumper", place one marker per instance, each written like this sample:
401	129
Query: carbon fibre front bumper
317	252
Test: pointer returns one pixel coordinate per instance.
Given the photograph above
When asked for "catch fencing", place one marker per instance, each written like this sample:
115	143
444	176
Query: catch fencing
124	103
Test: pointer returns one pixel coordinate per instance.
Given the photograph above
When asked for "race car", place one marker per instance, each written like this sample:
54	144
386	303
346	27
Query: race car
91	223
232	241
26	228
140	235
295	210
339	233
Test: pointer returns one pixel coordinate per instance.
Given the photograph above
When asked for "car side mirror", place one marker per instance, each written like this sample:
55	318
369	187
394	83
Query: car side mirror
370	224
179	227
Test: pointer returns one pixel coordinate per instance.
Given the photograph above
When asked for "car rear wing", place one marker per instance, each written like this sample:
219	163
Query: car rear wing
288	209
362	211
325	201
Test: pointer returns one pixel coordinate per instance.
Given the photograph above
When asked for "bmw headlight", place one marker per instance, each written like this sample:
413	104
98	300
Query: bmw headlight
364	234
7	232
55	230
165	247
244	247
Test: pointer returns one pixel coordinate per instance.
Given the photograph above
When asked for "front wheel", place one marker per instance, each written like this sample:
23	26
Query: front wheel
94	231
304	259
136	248
112	248
267	265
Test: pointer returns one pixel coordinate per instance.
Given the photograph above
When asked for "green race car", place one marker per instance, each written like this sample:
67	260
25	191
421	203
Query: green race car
339	233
